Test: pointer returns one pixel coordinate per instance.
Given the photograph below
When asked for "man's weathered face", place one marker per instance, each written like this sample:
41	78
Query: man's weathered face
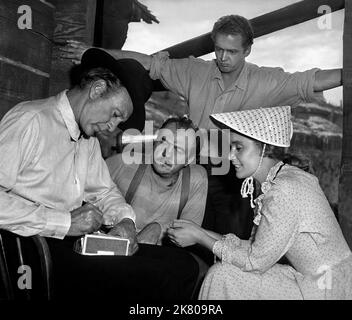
229	52
105	114
173	150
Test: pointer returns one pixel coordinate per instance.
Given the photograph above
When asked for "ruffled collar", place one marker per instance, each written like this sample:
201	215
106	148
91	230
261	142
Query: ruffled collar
265	187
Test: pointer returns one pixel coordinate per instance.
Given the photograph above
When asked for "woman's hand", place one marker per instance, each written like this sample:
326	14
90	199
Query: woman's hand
184	233
73	51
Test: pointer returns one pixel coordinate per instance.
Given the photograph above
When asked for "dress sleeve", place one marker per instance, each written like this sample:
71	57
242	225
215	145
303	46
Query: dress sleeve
102	191
276	232
19	134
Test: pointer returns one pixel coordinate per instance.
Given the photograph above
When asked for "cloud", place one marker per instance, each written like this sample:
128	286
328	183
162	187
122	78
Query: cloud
181	20
287	50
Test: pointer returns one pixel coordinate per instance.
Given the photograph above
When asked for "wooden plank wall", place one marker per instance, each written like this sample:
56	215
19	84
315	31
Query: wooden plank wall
74	20
345	188
25	55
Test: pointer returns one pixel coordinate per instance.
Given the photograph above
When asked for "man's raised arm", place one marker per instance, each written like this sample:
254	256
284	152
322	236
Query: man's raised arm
75	49
327	79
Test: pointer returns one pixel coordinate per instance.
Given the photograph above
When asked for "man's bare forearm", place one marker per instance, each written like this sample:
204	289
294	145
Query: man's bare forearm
327	79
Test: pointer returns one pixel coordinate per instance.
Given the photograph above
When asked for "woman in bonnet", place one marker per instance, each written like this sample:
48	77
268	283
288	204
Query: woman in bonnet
292	219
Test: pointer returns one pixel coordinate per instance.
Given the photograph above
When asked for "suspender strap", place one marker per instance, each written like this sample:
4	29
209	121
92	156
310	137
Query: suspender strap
185	186
184	189
135	183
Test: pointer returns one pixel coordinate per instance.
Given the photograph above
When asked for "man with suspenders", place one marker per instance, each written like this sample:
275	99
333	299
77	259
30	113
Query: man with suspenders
167	189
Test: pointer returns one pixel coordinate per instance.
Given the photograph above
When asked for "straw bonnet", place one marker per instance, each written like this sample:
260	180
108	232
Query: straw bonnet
269	125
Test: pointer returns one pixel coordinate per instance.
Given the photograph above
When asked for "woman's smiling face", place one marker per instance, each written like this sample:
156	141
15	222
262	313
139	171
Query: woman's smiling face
245	155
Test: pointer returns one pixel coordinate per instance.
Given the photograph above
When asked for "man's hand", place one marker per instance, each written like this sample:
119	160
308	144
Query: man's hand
73	51
85	219
126	229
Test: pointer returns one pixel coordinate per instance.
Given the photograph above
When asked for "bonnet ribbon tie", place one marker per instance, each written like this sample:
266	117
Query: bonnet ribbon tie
247	187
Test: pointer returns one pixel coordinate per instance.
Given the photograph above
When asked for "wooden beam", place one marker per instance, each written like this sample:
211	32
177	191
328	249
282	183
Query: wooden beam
345	187
74	20
277	20
90	20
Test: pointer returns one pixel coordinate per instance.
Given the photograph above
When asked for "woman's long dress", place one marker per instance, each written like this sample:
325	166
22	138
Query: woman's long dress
294	220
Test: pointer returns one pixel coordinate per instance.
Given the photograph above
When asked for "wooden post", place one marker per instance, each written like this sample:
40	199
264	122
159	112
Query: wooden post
345	187
116	16
75	20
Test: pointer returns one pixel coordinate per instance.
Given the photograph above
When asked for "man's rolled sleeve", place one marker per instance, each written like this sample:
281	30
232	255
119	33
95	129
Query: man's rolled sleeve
157	63
284	88
174	74
305	82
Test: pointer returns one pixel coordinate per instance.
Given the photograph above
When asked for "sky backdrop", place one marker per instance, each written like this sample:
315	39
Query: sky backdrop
297	48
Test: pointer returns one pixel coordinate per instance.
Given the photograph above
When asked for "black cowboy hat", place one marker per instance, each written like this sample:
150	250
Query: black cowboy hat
133	77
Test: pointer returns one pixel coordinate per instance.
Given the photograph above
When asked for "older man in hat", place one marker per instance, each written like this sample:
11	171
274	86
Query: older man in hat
138	84
55	183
